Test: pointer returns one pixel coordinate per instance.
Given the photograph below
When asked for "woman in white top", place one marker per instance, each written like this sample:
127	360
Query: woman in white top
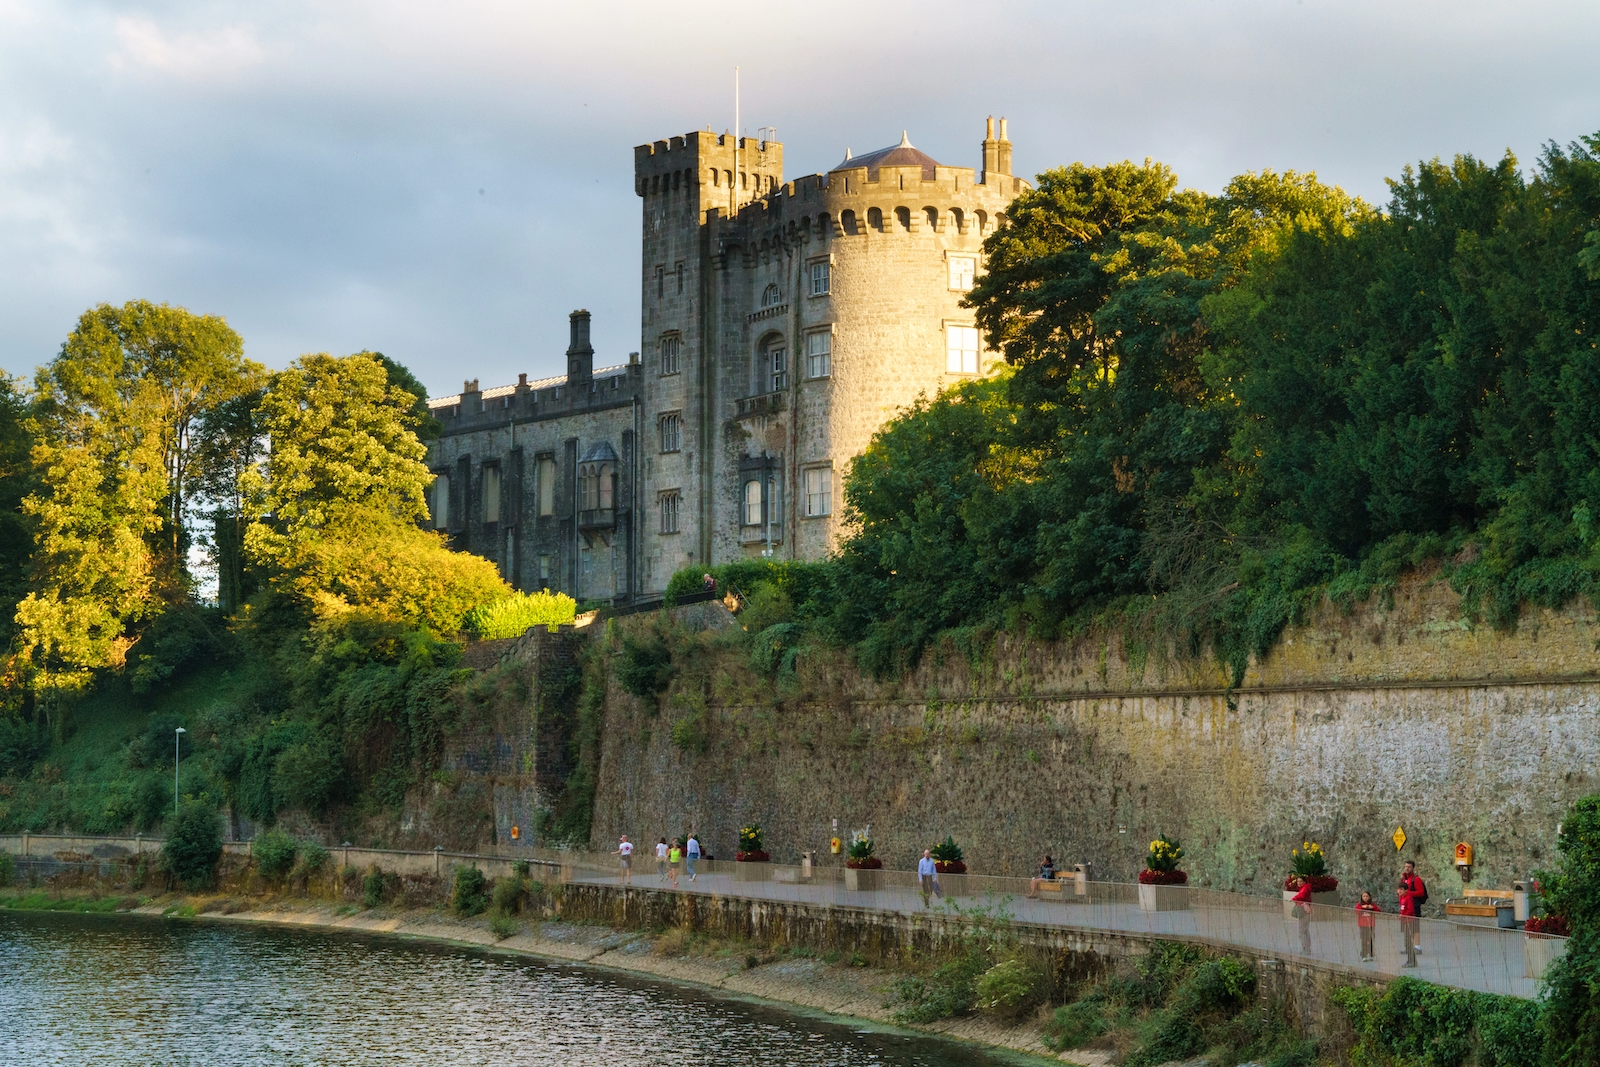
625	850
661	859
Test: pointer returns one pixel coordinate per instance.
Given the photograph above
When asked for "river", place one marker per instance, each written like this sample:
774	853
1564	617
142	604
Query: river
80	989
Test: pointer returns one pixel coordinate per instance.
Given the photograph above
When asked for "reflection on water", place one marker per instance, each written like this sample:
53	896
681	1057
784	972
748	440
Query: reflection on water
117	990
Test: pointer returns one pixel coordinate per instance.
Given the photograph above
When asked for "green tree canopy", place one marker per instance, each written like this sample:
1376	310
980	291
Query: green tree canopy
344	499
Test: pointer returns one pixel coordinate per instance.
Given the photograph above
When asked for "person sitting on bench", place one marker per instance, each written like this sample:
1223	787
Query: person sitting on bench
1047	873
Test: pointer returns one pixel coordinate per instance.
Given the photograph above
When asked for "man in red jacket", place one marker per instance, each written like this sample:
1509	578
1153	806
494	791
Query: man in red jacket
1419	895
1408	924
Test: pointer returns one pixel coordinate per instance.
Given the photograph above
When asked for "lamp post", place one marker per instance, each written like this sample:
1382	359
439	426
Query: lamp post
177	739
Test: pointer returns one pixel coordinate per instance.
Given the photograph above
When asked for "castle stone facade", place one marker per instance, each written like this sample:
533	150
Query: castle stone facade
781	324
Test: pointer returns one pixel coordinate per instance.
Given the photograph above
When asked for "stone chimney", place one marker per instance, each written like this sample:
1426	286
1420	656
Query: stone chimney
996	151
580	353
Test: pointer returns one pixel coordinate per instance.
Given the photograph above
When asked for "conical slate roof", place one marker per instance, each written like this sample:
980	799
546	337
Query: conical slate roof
900	155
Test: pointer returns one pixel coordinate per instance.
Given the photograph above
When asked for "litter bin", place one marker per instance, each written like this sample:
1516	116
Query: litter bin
1519	899
1505	915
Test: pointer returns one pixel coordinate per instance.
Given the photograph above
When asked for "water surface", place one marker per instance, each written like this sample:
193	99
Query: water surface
125	990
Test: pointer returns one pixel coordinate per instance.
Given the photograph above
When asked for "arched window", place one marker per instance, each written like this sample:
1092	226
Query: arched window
933	217
771	295
902	215
597	478
847	222
958	219
983	221
716	176
752	502
772	370
875	218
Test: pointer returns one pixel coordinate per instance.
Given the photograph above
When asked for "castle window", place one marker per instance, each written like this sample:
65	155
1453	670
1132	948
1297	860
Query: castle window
902	215
546	477
716	176
875	218
983	221
959	219
671	432
596	482
752	502
439	505
847	222
661	281
491	493
770	295
961	350
933	218
821	278
671	349
961	268
777	366
819	354
544	571
585	562
819	492
679	272
670	504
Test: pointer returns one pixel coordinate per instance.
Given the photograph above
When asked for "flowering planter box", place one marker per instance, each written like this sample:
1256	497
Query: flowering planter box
862	880
1164	897
1540	952
752	871
1329	899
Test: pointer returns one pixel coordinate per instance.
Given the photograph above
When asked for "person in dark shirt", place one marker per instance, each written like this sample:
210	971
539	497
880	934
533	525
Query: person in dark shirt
1047	873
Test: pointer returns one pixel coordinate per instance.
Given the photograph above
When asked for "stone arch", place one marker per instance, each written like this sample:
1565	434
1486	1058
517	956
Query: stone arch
982	217
875	218
902	218
824	226
959	219
847	222
932	214
716	176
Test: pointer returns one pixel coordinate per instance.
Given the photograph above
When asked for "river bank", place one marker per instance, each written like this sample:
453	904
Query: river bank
794	979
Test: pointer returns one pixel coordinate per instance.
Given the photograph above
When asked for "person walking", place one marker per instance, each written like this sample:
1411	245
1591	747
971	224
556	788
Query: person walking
928	877
1046	873
692	853
1302	914
674	857
661	859
625	850
1366	924
1419	895
1408	923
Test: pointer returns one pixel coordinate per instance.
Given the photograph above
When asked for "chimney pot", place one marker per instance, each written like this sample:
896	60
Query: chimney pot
522	379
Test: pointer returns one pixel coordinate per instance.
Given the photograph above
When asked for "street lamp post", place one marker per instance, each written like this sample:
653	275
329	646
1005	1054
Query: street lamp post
177	739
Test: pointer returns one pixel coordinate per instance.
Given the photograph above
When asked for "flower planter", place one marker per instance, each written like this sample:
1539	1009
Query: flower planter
1163	897
862	880
1328	899
1540	952
752	871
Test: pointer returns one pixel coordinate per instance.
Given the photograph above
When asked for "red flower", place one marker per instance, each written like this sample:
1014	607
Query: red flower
752	857
953	867
871	863
1320	883
1553	925
1149	877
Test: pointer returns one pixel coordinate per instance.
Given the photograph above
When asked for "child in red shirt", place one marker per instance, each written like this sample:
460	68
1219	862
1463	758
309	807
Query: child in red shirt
1366	923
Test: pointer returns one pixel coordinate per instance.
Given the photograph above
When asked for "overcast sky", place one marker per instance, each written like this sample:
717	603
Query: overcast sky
445	181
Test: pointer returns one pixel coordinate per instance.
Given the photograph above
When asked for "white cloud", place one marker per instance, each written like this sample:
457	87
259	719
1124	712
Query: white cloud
224	53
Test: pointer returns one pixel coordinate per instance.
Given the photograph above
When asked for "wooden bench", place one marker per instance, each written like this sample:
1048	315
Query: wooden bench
1065	884
1478	903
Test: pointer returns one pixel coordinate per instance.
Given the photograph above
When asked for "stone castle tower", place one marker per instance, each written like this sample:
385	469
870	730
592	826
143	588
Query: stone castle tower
782	323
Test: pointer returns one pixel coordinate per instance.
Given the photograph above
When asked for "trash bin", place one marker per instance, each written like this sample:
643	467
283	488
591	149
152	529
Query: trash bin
1519	898
1505	915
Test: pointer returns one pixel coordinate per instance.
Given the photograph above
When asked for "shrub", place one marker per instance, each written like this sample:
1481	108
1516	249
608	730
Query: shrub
372	887
1008	989
308	774
1075	1025
507	897
8	868
644	667
193	845
314	856
274	852
1571	1021
950	990
468	896
503	926
518	613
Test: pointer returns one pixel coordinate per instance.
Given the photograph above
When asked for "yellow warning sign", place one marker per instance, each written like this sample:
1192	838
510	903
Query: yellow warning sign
1399	839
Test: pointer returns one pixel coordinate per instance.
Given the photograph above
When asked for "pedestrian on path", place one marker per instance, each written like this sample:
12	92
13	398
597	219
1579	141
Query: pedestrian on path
674	857
661	860
625	850
1046	873
693	853
1408	923
928	876
1302	914
1366	923
1419	896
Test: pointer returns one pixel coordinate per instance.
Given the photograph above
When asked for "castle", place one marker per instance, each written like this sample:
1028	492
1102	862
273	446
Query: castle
781	324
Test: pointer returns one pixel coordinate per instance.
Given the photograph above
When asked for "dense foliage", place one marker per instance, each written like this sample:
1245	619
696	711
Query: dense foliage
193	845
1572	985
1415	1024
515	615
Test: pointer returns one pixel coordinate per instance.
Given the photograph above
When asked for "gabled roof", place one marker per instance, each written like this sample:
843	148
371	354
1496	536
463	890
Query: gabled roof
599	452
900	155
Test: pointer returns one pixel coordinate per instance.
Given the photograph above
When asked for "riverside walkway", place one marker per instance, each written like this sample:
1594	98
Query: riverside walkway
1457	954
1461	955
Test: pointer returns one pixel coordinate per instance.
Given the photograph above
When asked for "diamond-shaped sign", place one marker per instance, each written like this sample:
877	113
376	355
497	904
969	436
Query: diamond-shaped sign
1399	839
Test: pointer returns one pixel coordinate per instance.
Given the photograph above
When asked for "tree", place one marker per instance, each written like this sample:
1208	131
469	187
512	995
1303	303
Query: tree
344	501
231	444
426	426
1571	1020
16	483
113	445
193	845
